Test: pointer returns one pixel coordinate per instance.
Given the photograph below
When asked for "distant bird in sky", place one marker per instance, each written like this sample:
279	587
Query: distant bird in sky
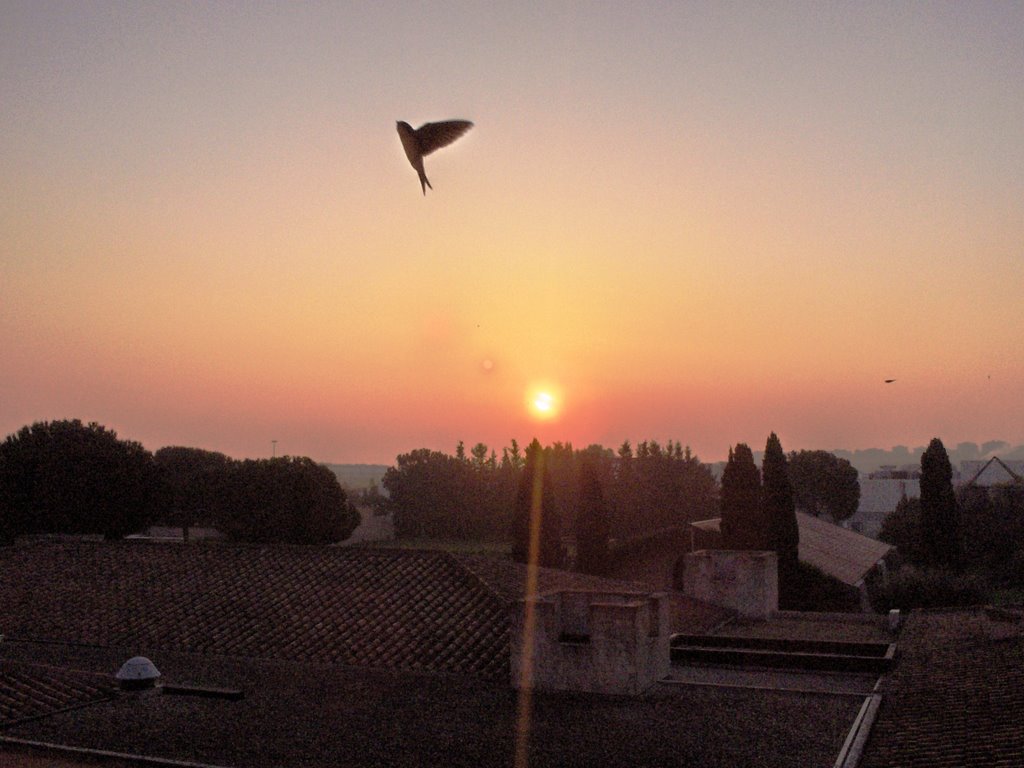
889	381
427	138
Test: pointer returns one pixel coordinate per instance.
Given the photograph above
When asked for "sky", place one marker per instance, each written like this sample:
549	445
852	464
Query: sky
698	222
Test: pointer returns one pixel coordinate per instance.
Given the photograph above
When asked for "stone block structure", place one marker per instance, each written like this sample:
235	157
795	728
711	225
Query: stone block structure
598	642
745	581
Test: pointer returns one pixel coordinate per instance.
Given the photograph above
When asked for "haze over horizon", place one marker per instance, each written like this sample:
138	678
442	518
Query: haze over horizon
694	222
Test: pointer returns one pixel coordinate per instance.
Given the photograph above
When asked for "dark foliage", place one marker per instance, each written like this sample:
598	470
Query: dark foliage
824	484
779	506
592	528
196	484
68	477
535	524
811	589
940	515
291	499
743	522
432	494
780	516
910	588
993	531
902	529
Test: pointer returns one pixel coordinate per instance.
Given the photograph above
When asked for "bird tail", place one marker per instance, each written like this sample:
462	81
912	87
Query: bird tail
425	182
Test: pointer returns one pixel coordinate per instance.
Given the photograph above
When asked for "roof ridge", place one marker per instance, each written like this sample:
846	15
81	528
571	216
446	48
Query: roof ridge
1010	472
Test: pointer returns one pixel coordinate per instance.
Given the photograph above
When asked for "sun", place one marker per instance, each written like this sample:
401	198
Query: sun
543	402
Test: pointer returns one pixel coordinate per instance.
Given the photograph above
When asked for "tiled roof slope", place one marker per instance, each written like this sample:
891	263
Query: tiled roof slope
28	691
844	554
956	697
399	610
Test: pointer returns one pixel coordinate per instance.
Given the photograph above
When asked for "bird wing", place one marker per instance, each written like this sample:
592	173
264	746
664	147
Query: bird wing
431	136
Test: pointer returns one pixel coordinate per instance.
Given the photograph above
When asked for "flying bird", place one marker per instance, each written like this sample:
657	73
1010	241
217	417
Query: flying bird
889	381
428	137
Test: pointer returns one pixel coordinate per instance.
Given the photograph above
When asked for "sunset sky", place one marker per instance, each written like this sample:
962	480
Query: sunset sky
691	221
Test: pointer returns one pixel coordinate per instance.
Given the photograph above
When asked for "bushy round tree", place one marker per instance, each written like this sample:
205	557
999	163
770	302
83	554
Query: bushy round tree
823	483
289	499
70	477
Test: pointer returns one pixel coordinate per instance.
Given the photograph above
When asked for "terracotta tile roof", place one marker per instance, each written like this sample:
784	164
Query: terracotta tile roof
844	554
401	610
956	697
325	716
29	691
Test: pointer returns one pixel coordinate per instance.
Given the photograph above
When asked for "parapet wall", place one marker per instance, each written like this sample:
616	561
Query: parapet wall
599	642
745	581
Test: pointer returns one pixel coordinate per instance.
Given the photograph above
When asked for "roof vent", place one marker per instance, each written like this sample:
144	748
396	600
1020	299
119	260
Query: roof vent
137	673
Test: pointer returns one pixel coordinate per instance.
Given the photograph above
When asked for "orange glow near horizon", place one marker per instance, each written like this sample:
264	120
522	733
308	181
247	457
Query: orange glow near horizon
768	242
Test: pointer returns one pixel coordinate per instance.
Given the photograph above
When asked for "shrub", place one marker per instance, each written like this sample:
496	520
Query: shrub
910	588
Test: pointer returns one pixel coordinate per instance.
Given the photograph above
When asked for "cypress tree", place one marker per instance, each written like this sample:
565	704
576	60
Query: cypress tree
940	515
780	514
743	525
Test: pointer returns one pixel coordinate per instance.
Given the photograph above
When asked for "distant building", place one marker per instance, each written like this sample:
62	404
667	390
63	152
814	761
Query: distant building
994	471
880	492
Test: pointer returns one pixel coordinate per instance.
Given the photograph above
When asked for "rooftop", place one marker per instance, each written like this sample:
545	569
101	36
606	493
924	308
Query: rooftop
319	715
355	657
843	554
956	698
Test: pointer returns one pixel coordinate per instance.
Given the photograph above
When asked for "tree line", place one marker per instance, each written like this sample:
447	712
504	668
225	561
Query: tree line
70	477
473	496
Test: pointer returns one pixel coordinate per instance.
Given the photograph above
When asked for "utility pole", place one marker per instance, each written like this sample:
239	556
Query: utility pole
273	452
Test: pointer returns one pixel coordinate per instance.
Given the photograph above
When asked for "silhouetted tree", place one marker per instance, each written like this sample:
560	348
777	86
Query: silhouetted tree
196	481
425	494
743	524
940	516
902	529
824	484
10	525
780	511
592	528
992	521
289	499
534	518
435	495
67	477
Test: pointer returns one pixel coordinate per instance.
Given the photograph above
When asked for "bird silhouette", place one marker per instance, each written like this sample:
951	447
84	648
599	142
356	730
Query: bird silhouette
889	381
421	141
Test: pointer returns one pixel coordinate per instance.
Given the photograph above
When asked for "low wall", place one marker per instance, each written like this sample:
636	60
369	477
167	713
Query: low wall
598	642
745	581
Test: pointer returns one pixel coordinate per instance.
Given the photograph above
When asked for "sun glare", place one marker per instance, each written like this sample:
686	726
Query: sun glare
542	403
